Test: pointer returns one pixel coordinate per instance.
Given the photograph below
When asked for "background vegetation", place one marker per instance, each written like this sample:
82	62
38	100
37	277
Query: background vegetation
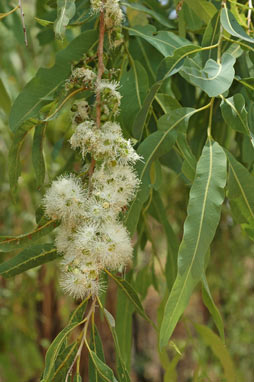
33	309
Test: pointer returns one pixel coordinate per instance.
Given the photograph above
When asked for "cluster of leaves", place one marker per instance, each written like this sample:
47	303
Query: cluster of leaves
187	88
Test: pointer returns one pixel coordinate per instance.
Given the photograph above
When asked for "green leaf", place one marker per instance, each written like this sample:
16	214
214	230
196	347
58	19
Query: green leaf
165	42
157	16
5	102
231	25
235	115
9	243
134	86
209	303
154	146
215	78
27	259
78	313
14	167
40	89
121	368
124	312
241	193
139	122
54	350
77	378
64	361
210	37
172	241
131	294
96	346
103	370
218	348
203	9
65	11
203	214
37	154
172	64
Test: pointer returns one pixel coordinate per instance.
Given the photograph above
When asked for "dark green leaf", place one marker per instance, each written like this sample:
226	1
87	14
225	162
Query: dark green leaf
231	25
27	259
9	243
165	42
40	89
5	102
206	197
203	9
37	154
154	146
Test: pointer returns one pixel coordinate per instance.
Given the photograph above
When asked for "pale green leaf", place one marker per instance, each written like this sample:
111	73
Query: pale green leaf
220	351
215	78
203	214
203	9
65	11
103	370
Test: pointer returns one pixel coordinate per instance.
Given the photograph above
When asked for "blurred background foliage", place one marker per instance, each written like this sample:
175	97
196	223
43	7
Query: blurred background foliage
33	309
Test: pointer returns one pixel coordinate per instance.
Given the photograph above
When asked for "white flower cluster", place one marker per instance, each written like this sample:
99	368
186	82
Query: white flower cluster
113	14
91	236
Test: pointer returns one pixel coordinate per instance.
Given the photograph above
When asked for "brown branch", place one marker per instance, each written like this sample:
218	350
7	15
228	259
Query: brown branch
100	68
23	22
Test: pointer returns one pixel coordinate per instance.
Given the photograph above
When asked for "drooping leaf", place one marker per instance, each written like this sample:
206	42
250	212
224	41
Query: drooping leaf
27	259
165	42
220	351
211	37
54	350
172	241
215	78
96	346
241	194
65	11
209	303
231	25
122	372
14	167
9	243
134	86
157	16
131	294
154	146
203	214
103	370
5	102
40	89
37	154
235	115
64	361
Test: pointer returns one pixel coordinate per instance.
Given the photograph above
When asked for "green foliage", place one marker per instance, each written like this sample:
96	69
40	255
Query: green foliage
188	107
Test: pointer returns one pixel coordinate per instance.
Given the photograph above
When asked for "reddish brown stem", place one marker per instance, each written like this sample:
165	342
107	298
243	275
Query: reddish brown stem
100	68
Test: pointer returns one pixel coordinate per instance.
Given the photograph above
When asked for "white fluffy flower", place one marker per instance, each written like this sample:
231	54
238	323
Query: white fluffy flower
113	249
116	185
65	199
85	137
80	281
113	13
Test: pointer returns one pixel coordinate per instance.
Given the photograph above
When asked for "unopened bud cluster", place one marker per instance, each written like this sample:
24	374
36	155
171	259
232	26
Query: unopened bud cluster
91	236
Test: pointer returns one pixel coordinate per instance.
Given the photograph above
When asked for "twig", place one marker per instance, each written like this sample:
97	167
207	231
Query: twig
82	340
23	22
249	14
100	68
